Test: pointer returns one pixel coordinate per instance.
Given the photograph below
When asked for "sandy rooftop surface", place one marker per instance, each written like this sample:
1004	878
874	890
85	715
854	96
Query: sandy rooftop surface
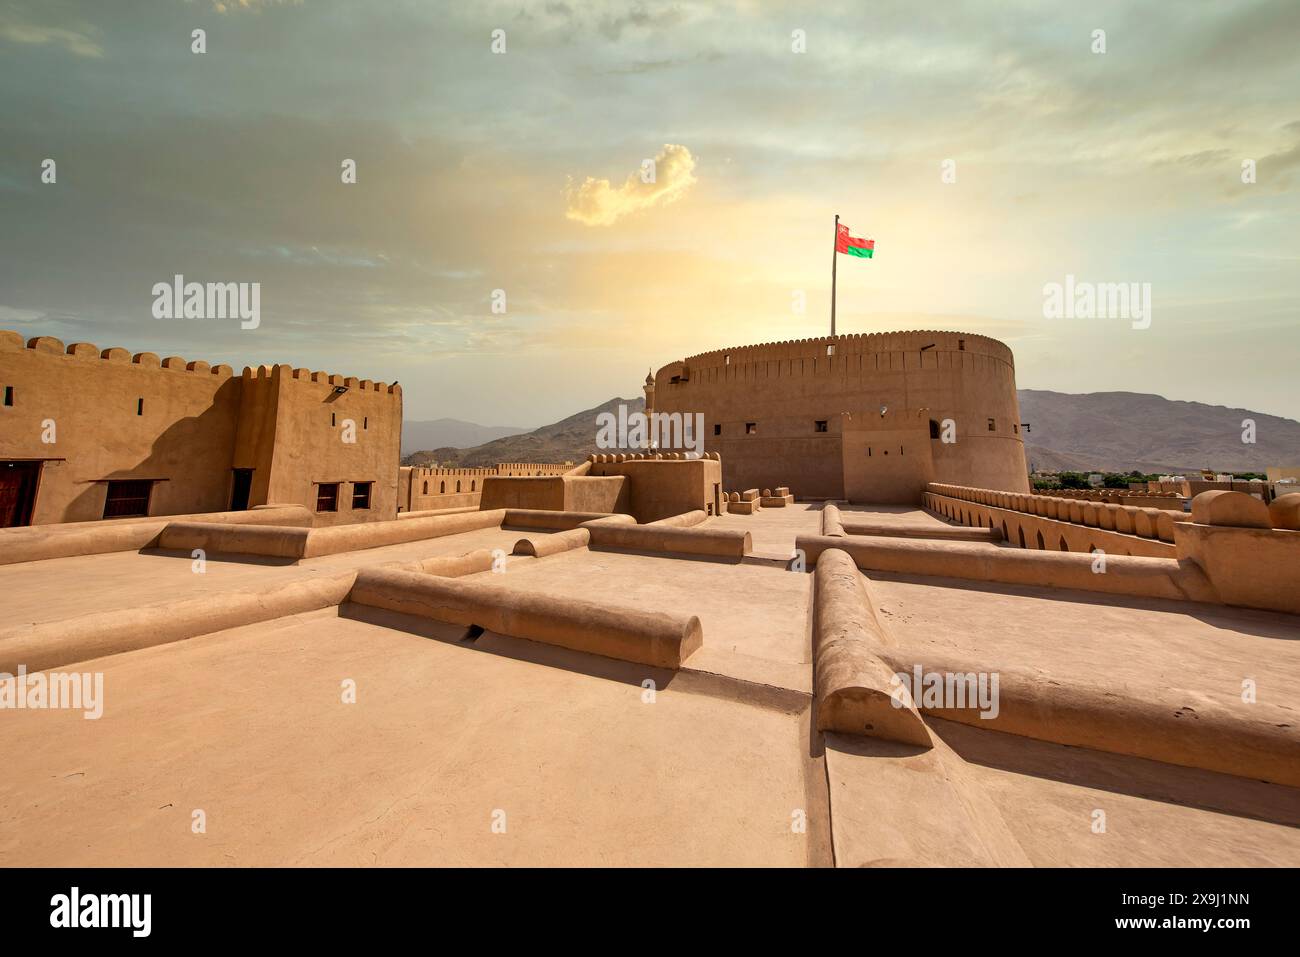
449	735
249	726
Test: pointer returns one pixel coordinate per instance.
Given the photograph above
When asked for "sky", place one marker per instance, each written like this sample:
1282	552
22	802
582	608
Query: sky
502	255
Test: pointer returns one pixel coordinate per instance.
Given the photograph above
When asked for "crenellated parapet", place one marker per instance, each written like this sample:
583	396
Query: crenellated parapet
88	351
856	344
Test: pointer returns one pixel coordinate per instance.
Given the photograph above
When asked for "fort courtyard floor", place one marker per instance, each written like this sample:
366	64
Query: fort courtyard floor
469	747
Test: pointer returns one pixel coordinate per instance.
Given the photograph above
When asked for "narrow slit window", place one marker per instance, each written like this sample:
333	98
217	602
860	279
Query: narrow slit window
139	406
9	395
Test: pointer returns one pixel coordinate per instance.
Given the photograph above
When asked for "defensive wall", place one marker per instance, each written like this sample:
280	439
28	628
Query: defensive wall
89	433
867	418
423	488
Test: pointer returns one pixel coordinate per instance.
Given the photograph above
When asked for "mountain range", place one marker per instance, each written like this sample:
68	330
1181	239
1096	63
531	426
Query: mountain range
1122	431
1093	431
455	433
569	440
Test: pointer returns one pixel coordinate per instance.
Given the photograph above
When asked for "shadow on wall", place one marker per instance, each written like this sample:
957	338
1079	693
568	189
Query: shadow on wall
194	455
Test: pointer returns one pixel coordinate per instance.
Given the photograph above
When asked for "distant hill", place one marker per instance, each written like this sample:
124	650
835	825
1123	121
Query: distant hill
1121	431
569	440
436	433
1093	431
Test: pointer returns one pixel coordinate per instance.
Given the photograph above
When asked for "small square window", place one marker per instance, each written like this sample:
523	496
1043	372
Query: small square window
361	495
961	345
993	425
820	425
751	428
717	428
830	350
327	497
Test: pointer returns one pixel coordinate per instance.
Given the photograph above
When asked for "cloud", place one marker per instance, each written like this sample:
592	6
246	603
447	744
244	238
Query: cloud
597	203
229	6
75	42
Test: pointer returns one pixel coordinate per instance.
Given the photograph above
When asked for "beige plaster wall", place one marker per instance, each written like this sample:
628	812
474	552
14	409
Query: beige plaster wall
185	434
310	449
887	459
196	424
664	487
785	387
420	489
567	493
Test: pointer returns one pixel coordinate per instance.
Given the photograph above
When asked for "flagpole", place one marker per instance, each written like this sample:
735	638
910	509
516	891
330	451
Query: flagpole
834	261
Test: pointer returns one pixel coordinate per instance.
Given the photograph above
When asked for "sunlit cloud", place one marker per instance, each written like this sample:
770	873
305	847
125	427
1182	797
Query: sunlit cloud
597	203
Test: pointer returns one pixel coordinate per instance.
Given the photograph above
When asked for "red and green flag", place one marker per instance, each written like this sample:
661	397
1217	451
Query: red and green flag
851	245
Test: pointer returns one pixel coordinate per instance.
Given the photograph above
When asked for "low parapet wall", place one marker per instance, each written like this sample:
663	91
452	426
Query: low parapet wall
684	520
272	541
832	523
1249	551
575	493
659	640
1122	575
431	512
853	685
560	520
351	538
454	566
936	532
552	544
1049	524
1256	741
57	643
298	543
713	542
35	543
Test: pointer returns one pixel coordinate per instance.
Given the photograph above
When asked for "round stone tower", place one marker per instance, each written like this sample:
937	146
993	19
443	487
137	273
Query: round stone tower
868	418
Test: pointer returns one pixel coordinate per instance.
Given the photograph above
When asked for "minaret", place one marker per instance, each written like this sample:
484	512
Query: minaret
649	389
